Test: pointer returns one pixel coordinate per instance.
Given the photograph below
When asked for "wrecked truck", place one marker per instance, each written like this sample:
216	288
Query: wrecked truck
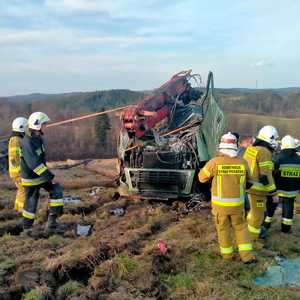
166	138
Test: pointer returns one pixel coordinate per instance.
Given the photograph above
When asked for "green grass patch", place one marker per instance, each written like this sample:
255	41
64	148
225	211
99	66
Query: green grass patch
180	280
33	295
124	266
68	289
55	241
135	222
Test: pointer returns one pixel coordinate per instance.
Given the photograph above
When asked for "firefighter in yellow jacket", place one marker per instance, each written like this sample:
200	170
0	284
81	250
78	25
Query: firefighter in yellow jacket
14	160
229	175
259	158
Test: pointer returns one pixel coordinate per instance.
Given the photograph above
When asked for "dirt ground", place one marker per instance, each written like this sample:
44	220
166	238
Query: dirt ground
121	258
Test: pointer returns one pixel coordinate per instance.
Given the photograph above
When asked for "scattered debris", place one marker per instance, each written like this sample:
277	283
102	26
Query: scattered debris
95	191
72	200
162	246
83	230
196	202
117	212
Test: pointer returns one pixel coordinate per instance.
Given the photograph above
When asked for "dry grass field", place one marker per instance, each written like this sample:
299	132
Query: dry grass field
121	260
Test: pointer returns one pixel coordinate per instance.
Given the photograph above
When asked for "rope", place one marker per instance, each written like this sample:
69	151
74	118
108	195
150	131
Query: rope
54	124
85	117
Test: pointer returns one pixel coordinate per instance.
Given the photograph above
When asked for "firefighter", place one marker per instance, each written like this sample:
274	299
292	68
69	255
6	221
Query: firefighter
36	175
259	158
297	201
14	161
229	175
287	179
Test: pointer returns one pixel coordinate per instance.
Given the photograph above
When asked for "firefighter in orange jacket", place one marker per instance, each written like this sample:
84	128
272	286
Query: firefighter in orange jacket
14	160
229	175
259	158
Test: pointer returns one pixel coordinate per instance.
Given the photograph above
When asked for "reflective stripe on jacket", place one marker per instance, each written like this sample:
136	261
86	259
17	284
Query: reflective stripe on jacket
14	160
229	175
260	164
34	170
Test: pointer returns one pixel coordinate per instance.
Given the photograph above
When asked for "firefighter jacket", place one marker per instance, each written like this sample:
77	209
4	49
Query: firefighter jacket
287	173
229	176
14	150
259	159
34	170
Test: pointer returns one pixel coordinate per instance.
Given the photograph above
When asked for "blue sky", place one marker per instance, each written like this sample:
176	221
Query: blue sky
79	45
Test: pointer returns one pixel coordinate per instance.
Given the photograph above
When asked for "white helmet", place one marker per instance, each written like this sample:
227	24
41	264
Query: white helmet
270	135
19	124
288	142
228	141
297	143
37	119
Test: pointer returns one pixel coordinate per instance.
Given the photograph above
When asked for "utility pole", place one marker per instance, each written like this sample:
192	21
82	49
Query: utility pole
256	83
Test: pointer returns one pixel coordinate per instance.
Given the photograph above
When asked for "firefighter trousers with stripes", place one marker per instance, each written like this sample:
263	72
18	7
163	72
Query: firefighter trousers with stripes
32	193
256	214
287	213
225	224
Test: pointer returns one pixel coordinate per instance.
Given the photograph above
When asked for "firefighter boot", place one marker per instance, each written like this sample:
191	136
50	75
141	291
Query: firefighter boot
285	228
266	225
263	232
52	226
27	226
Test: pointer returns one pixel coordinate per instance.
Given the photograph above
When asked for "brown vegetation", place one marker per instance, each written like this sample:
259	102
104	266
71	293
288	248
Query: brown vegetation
249	124
121	259
247	111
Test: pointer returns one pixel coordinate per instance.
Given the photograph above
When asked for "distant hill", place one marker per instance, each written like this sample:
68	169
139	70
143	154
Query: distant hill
282	103
246	111
276	102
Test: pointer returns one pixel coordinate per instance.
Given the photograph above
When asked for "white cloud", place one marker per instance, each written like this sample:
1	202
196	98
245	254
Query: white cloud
19	37
68	39
85	5
261	63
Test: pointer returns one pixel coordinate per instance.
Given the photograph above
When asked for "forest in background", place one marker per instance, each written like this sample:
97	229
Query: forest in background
246	110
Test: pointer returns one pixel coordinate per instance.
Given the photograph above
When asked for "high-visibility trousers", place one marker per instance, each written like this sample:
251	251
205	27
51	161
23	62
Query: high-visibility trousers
55	204
20	196
256	214
225	223
287	213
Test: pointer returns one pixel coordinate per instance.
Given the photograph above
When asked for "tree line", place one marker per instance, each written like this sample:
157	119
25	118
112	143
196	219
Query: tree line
97	137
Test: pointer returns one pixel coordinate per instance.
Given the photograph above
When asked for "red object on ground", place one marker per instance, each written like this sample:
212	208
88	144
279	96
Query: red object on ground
162	246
